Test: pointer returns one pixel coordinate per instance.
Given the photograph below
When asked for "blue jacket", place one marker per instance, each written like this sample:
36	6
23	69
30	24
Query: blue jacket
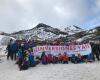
31	59
14	47
20	54
90	57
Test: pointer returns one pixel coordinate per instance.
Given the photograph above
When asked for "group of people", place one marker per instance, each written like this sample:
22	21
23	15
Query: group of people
14	46
22	53
65	58
27	59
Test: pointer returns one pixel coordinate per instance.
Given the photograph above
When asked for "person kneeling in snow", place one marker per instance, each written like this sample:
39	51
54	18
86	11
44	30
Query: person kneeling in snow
31	60
24	65
54	59
60	58
90	58
49	58
65	58
79	58
19	57
22	61
44	58
73	59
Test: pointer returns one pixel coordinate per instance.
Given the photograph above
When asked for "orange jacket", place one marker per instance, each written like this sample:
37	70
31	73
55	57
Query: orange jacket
65	58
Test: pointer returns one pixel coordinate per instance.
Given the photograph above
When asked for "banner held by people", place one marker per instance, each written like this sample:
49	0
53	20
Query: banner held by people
83	49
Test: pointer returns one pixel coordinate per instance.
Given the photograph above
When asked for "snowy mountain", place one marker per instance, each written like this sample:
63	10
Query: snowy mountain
40	32
95	30
45	32
90	34
73	29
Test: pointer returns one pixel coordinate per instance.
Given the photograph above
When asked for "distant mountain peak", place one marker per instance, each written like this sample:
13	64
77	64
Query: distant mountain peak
42	25
42	31
77	27
73	29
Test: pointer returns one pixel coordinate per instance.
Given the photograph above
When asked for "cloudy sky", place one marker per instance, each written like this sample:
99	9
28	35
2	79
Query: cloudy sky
18	15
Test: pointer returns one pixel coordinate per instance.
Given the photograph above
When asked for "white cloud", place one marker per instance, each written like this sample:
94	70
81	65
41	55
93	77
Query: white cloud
98	3
23	14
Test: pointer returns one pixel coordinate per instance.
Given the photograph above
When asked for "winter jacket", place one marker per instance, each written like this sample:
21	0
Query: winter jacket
49	58
65	58
44	59
14	47
60	57
20	54
31	59
90	57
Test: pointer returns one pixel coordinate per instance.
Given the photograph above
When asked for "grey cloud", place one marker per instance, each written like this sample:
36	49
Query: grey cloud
24	14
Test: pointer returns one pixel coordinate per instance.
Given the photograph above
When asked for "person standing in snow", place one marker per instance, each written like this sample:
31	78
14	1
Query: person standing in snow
9	49
14	49
96	46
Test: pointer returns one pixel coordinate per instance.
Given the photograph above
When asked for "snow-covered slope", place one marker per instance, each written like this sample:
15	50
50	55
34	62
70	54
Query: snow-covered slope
90	34
84	38
40	32
4	40
72	29
94	30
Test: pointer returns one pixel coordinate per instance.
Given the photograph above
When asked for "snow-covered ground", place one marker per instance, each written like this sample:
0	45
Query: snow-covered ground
87	71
